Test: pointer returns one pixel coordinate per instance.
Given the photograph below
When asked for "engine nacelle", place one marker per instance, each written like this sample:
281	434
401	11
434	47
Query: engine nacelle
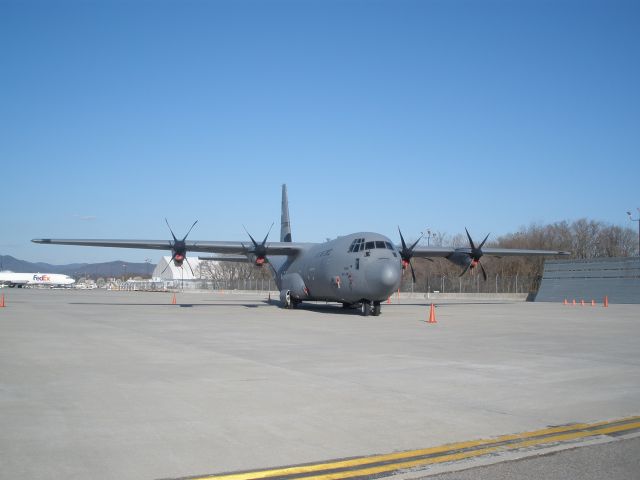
461	259
179	257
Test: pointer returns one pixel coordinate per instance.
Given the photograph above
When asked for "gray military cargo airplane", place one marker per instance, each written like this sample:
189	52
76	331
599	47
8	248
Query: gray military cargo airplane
360	270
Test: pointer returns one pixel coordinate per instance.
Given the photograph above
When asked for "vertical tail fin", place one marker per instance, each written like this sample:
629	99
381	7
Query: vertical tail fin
285	226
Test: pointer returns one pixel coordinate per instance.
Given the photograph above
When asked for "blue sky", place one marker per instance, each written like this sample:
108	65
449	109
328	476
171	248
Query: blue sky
438	114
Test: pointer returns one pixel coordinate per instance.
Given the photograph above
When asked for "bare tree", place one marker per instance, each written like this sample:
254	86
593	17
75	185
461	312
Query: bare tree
583	238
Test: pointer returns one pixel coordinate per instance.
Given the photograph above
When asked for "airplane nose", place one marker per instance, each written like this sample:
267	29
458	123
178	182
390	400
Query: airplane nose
383	277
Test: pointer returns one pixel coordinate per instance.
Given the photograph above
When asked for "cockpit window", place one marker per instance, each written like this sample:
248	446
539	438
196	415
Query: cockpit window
372	245
356	245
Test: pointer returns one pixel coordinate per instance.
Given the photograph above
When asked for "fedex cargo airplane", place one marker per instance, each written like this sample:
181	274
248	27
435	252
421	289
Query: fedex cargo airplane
22	279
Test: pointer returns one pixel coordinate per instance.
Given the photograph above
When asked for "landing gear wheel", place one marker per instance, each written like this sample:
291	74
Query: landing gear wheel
376	309
366	308
288	303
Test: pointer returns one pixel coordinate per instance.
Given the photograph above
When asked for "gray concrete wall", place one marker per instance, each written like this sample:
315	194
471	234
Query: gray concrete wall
616	278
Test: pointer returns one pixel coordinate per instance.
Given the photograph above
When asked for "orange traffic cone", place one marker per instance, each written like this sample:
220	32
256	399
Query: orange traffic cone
388	300
173	300
2	301
574	302
582	302
565	302
593	302
432	314
606	301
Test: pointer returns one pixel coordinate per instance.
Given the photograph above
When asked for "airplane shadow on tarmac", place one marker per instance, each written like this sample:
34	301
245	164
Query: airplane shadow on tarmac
445	304
328	308
321	308
183	305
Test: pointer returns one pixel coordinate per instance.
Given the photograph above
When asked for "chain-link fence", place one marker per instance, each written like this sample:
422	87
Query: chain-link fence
471	284
259	285
433	284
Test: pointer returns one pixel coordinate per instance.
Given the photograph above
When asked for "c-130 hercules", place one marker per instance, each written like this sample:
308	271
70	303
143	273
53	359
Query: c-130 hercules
361	270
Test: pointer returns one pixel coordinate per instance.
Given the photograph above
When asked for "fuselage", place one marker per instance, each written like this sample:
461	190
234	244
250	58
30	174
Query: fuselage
20	279
349	269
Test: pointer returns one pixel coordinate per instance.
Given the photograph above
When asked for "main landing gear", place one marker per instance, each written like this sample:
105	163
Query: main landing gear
370	308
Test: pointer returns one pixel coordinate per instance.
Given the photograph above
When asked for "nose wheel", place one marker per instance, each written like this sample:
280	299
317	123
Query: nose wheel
370	308
288	302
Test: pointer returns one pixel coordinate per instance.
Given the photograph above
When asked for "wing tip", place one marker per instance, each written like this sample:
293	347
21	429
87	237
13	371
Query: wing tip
41	240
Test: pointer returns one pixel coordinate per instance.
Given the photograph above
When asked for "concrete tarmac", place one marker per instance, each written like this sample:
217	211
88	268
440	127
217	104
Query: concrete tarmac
612	461
106	385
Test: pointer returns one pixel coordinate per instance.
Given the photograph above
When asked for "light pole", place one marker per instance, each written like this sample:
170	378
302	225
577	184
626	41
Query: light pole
636	220
430	234
148	262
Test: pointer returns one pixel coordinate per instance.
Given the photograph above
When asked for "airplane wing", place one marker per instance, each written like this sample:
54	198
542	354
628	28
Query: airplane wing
508	252
432	252
222	247
227	258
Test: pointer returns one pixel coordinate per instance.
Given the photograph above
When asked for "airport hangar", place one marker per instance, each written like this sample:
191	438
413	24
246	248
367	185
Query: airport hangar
616	278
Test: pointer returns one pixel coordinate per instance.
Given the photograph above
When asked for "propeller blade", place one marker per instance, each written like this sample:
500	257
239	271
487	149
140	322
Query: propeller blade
414	244
484	274
404	245
408	252
172	234
255	244
265	237
413	274
473	247
465	269
190	268
485	239
185	237
172	258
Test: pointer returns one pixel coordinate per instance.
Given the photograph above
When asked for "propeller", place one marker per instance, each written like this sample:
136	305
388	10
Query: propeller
259	249
406	253
475	254
179	248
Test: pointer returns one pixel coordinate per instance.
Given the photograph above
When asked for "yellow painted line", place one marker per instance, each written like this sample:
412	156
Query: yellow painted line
474	453
490	443
382	458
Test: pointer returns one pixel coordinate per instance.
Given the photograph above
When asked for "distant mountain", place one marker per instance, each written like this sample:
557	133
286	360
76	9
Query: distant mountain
108	269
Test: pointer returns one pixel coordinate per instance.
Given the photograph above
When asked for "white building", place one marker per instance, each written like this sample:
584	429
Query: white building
167	271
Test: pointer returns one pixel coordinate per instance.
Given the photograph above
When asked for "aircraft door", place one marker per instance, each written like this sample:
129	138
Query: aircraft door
311	273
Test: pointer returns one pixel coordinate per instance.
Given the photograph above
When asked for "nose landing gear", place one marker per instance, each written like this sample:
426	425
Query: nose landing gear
370	308
288	301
